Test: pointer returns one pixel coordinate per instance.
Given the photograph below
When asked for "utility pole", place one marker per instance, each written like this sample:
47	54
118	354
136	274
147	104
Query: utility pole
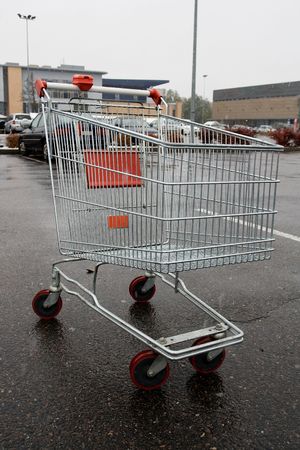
193	95
27	18
203	99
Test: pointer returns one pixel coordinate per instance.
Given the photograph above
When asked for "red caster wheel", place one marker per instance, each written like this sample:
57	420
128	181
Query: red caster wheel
139	367
201	362
42	311
135	290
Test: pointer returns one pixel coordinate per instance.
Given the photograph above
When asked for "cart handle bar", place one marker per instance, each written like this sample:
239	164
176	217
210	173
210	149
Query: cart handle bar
85	83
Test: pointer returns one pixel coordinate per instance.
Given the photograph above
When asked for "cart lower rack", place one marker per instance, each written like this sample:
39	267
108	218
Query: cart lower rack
158	204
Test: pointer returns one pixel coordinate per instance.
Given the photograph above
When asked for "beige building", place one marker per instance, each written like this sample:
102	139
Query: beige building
175	109
17	95
254	105
16	92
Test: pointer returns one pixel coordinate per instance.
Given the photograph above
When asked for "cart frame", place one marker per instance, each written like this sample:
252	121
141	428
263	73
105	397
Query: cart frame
221	335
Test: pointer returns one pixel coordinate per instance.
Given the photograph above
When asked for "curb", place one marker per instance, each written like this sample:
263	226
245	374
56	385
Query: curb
9	151
291	149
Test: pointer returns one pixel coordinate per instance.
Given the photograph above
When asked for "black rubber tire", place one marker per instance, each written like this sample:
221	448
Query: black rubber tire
23	150
135	290
138	371
45	152
38	305
201	363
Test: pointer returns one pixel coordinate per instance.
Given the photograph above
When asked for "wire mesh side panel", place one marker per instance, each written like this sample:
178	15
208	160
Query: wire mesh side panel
222	205
130	200
131	116
172	129
105	204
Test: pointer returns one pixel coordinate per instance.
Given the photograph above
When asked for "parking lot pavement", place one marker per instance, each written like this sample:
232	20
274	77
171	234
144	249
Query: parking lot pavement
65	383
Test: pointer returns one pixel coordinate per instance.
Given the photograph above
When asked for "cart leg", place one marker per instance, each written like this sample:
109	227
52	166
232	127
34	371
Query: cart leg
149	283
95	275
159	364
55	289
210	356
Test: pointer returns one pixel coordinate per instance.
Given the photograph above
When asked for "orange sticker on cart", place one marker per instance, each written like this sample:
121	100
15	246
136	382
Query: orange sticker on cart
117	221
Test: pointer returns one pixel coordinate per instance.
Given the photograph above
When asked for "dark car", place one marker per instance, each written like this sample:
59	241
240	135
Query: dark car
33	139
68	133
2	123
63	138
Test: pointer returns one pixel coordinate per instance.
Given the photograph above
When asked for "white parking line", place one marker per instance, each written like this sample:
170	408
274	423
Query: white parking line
287	236
276	232
34	160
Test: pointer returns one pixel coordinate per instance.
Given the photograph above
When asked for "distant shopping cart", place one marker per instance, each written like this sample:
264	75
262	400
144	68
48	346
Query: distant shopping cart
165	199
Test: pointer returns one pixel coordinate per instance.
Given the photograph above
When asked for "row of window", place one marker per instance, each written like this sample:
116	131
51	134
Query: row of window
252	97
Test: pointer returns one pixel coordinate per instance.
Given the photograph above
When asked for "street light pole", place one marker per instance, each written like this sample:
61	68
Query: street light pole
204	77
27	18
193	94
203	98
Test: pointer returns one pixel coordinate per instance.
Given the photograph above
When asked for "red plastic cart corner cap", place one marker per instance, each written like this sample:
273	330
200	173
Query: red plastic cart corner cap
155	95
83	82
40	85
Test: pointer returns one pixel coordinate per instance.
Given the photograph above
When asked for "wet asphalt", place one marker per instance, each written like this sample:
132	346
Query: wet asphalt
64	384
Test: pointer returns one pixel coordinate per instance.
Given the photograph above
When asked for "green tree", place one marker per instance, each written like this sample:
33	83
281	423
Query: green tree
202	109
172	96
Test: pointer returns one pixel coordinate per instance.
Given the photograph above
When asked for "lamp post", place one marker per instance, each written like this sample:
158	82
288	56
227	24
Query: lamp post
204	77
203	99
193	94
27	18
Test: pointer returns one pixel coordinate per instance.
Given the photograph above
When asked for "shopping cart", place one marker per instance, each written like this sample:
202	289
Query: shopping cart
192	197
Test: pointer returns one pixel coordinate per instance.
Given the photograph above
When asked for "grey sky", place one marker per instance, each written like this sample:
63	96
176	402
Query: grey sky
240	42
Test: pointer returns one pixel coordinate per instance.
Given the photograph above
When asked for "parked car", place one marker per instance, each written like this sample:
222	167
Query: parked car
264	129
215	124
237	126
25	123
33	139
135	124
2	123
171	124
13	122
245	130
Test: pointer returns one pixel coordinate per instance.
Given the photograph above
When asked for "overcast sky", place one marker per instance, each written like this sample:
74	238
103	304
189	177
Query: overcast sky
240	42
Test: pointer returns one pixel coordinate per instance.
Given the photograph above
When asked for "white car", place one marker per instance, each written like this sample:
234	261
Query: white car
13	123
264	129
171	125
215	124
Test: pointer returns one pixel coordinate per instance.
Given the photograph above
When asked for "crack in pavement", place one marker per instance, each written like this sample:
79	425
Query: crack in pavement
265	316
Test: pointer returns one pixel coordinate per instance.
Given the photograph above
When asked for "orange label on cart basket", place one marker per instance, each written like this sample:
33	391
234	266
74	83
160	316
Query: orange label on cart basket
118	169
117	221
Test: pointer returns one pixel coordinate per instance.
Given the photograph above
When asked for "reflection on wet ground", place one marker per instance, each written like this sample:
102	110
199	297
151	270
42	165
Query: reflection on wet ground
65	384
